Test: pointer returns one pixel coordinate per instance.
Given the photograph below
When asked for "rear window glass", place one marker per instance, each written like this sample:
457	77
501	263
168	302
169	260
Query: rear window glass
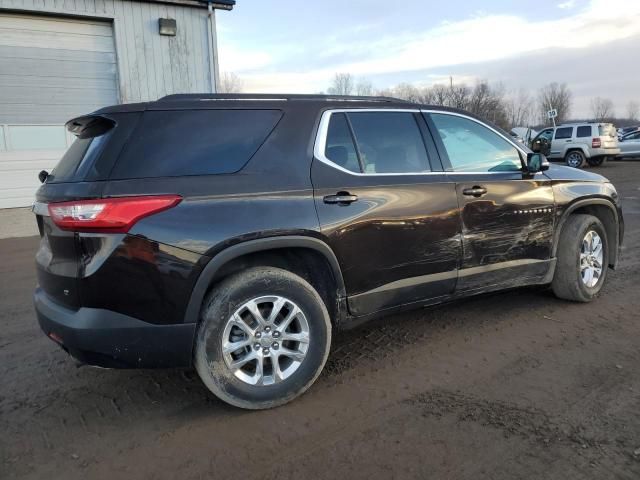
606	130
564	133
195	142
66	168
583	132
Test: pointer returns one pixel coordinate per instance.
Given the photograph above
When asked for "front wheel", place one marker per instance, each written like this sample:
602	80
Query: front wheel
263	339
582	259
574	159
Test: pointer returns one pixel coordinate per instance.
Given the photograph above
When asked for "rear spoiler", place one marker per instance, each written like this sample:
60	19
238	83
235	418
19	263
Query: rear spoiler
89	126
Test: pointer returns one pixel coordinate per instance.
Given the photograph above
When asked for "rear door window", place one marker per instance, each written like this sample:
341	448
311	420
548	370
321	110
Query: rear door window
194	142
565	132
339	147
376	142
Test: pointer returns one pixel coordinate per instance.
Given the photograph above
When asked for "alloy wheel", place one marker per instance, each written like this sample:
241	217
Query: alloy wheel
574	159
591	259
265	340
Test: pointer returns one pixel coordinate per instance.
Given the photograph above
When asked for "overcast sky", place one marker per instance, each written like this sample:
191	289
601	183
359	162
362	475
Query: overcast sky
296	46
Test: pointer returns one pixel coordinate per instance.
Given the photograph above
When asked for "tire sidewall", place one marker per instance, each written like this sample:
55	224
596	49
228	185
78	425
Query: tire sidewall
596	226
223	302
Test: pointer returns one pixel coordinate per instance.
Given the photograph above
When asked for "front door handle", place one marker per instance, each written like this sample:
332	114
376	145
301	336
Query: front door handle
341	198
474	191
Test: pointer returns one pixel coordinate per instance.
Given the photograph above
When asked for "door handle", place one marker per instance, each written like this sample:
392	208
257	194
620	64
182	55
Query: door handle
341	198
474	191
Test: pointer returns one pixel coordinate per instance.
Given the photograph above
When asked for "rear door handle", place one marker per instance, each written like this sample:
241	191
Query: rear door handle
474	191
341	198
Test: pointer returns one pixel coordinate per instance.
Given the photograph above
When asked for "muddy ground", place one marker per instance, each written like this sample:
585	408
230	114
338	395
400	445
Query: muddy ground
512	385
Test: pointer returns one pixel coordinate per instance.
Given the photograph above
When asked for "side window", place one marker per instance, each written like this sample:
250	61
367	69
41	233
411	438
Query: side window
472	147
565	132
389	142
376	142
339	147
584	131
633	136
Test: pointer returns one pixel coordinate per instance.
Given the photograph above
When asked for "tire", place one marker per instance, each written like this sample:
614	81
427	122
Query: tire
298	363
568	281
596	161
574	158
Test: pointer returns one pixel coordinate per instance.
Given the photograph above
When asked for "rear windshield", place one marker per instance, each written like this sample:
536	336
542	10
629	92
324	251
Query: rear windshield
98	143
195	142
607	130
81	155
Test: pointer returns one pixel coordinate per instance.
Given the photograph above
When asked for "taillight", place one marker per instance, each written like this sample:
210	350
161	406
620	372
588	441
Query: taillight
595	143
109	215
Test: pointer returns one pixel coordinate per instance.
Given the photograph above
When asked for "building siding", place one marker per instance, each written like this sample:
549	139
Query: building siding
149	65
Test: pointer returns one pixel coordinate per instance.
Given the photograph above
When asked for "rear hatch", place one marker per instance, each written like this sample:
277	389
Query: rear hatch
608	135
78	175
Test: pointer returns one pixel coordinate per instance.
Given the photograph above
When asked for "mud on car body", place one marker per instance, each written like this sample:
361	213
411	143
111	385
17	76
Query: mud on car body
235	233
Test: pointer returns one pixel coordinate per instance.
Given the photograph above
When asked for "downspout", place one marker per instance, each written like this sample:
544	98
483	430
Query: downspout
213	49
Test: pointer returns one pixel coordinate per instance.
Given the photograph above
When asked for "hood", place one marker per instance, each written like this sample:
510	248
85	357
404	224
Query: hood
561	172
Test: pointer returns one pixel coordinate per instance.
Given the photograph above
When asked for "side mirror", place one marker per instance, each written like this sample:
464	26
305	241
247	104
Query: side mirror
537	162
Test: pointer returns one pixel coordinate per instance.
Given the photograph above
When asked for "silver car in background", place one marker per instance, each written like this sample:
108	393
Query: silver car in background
630	145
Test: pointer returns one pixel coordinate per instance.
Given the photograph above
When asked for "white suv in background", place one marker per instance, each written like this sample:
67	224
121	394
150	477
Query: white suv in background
578	143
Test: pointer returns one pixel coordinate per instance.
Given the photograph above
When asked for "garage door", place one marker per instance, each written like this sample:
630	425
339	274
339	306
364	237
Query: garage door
51	69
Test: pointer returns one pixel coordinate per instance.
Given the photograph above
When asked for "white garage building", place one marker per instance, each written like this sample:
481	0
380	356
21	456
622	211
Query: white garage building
63	58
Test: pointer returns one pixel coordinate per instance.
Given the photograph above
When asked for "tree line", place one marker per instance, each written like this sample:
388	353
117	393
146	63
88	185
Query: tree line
493	102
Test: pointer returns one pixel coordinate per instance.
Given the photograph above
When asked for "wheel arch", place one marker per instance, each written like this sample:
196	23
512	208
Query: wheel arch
602	209
214	270
573	147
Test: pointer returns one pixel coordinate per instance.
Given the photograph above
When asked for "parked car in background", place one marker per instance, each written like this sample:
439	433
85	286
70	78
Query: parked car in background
579	143
523	134
630	145
234	233
623	131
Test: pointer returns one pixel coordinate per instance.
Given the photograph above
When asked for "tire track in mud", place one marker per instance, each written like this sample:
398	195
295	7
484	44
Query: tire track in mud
614	454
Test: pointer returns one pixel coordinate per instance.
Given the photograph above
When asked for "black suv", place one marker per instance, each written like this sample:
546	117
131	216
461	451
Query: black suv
235	232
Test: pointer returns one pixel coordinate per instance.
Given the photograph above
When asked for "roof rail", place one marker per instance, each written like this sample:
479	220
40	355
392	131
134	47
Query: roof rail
276	97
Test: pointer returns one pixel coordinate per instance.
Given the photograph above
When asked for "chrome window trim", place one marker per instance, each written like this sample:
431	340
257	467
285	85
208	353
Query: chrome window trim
321	140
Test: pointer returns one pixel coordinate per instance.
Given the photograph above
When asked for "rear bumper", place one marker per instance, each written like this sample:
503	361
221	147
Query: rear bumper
109	339
604	152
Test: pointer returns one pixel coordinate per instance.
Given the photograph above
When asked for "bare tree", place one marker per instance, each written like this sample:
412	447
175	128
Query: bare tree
555	96
342	84
632	110
519	109
601	108
488	102
440	95
230	82
407	92
364	88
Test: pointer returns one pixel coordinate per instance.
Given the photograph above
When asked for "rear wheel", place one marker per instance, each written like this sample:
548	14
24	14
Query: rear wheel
574	158
582	259
263	339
